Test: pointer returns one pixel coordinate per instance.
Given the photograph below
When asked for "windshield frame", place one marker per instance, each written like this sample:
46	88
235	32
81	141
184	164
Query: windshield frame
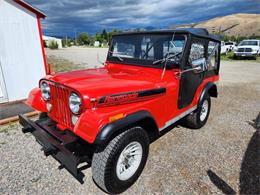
143	62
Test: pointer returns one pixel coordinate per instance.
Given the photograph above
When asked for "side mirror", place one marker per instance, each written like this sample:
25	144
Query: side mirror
199	65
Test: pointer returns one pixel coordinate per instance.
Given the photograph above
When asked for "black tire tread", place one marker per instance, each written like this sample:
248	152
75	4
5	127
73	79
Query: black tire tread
101	157
191	120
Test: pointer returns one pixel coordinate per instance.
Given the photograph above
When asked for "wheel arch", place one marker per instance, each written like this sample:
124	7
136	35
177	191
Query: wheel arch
211	89
143	119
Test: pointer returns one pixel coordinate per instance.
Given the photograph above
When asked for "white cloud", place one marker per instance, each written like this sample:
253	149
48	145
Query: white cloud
88	15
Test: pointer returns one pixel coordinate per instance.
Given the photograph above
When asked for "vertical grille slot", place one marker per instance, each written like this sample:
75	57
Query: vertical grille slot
60	106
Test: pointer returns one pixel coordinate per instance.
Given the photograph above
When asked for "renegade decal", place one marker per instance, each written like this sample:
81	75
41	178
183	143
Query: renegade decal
130	97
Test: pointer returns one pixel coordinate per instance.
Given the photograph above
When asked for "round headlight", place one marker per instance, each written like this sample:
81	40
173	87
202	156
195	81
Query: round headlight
74	103
46	93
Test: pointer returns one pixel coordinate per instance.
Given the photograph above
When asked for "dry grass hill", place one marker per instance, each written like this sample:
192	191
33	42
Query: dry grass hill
230	25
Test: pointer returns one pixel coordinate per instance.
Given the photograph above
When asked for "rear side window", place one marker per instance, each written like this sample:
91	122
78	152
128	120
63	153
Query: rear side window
213	55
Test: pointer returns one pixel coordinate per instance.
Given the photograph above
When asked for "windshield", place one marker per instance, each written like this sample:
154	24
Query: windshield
254	43
144	49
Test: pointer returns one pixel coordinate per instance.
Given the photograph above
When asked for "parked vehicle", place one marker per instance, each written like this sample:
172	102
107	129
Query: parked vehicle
108	116
227	47
248	48
230	45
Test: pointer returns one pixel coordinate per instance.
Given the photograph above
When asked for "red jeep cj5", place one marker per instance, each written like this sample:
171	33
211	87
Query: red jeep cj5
107	117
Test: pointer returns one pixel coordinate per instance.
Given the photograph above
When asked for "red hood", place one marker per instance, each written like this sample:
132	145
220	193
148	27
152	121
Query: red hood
112	79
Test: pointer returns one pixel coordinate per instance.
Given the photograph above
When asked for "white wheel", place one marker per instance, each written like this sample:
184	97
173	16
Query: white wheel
117	166
204	110
129	161
199	117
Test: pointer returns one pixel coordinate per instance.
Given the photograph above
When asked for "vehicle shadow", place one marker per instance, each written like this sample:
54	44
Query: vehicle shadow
249	182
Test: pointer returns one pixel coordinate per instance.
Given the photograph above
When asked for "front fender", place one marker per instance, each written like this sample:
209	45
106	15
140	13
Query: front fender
36	101
95	129
107	132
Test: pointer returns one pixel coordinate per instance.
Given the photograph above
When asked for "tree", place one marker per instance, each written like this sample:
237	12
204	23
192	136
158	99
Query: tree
53	45
98	37
104	35
83	39
91	40
114	31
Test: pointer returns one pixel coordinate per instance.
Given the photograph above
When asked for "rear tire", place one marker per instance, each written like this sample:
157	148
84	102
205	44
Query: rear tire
117	166
199	117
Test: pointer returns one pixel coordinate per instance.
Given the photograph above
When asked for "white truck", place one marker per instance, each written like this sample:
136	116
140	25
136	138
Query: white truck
248	48
227	46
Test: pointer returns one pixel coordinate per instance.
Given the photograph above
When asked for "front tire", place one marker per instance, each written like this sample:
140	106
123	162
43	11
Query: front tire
199	117
117	166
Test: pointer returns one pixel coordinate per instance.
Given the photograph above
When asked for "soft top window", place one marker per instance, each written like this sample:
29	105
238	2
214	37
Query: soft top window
144	49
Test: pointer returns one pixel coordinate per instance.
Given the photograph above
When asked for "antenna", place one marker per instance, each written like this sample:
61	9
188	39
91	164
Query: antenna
166	60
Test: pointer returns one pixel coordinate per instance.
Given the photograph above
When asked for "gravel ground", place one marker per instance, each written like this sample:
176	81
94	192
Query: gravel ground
222	157
84	56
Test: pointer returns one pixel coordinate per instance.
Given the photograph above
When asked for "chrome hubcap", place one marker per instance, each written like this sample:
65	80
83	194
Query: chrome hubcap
129	161
204	110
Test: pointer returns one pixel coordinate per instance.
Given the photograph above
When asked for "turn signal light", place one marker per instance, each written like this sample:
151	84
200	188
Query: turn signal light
116	117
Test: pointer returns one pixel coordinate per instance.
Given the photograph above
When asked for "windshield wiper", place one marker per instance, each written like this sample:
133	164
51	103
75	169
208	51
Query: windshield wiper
166	59
118	57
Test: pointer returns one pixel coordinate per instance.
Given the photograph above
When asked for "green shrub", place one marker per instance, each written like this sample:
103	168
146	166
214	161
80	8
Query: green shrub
53	45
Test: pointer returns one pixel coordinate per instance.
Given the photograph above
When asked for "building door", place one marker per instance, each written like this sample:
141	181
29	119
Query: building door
3	93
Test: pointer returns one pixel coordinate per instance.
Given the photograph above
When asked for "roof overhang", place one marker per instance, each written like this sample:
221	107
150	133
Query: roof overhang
30	8
199	32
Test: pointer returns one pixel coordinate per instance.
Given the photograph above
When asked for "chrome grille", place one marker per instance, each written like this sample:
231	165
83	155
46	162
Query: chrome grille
244	50
60	105
248	50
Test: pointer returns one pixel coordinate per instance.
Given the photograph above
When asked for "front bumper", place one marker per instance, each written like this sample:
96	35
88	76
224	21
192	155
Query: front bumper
68	149
245	54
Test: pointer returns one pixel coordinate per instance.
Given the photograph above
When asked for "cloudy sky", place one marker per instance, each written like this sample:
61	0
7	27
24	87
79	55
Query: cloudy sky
65	17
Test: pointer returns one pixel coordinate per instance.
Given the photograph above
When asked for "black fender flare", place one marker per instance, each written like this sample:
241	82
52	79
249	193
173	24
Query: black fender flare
107	132
211	89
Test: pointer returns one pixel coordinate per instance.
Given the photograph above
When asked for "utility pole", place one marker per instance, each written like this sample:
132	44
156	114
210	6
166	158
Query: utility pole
75	37
66	41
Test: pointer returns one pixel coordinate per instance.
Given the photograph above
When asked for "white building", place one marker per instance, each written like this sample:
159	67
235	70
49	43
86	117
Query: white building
48	40
22	57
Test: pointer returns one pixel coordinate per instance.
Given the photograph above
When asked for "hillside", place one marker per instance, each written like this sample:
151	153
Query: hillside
231	25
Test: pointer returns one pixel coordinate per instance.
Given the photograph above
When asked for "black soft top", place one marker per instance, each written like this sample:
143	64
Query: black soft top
200	32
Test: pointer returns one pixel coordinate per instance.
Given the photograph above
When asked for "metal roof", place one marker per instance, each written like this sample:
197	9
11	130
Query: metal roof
201	32
30	8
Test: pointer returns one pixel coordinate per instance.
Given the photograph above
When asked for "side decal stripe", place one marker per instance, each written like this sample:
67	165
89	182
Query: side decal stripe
124	97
